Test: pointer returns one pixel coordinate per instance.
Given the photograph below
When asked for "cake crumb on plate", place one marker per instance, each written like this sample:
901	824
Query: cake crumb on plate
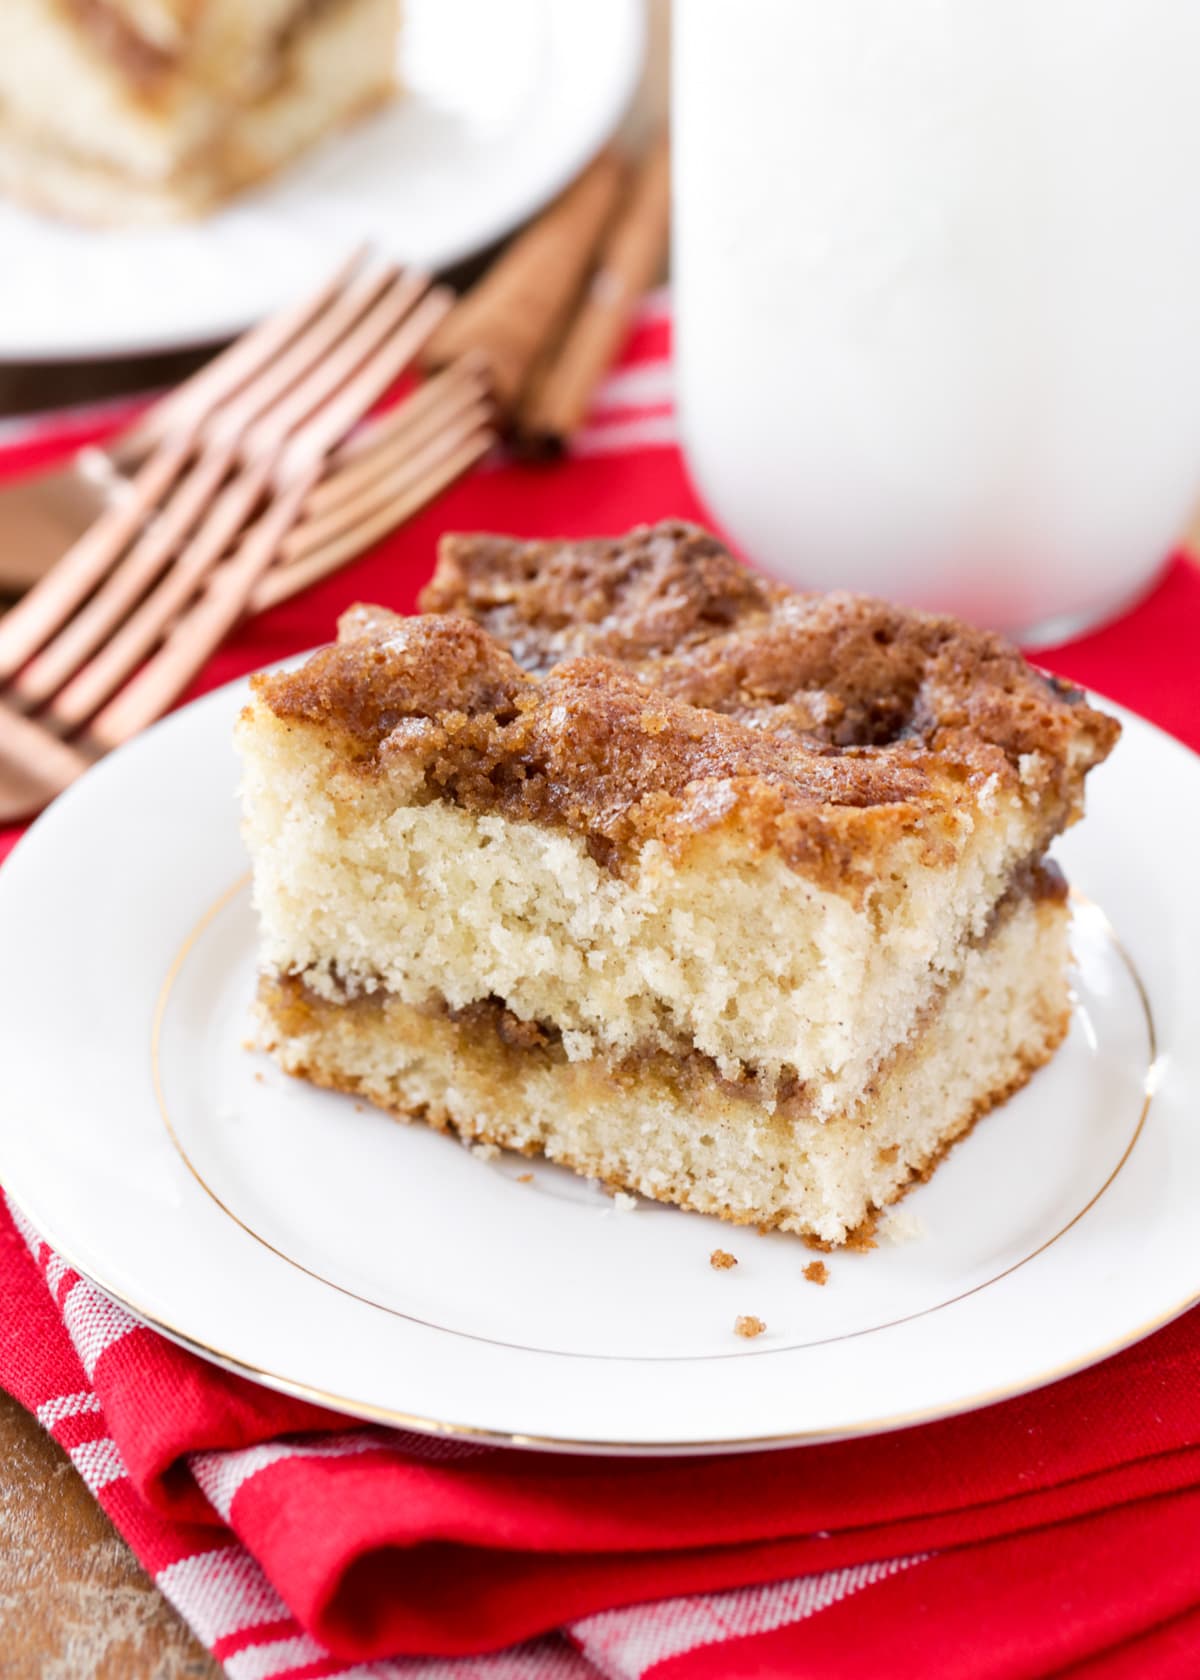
720	1261
748	1326
901	1226
817	1272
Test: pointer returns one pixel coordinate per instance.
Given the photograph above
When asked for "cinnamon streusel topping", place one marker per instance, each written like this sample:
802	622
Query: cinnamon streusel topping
650	687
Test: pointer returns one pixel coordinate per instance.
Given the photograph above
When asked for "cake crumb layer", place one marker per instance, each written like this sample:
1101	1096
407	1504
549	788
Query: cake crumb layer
637	1126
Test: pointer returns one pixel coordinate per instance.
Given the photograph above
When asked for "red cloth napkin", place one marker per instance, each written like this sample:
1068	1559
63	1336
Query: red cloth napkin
1057	1533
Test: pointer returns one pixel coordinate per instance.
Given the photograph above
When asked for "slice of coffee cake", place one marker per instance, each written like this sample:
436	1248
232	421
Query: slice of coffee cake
718	892
116	111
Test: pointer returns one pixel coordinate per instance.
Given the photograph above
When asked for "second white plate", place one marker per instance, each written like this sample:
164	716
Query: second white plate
501	106
325	1249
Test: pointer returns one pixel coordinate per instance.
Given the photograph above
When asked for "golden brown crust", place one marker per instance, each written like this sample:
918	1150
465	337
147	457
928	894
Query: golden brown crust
692	695
387	674
656	590
587	747
670	600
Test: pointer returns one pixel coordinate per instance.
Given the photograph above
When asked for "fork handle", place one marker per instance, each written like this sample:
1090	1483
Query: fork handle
35	766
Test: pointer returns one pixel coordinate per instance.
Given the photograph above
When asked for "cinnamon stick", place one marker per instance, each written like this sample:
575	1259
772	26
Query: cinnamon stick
525	299
631	255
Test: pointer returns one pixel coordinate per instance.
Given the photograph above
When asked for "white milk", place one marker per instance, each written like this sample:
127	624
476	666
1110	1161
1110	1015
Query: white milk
938	293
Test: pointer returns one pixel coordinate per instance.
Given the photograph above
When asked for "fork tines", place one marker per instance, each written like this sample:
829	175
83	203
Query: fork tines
226	508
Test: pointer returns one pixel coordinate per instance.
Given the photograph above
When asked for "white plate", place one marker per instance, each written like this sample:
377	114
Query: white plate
384	1269
503	104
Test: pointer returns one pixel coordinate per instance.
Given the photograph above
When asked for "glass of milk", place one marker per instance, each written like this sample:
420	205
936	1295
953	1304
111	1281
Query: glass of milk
937	270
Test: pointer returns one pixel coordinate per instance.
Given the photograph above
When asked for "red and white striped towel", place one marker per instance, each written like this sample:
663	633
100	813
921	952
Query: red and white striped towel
1055	1534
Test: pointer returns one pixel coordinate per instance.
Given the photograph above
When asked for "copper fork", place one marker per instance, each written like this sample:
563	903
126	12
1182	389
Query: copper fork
41	518
228	487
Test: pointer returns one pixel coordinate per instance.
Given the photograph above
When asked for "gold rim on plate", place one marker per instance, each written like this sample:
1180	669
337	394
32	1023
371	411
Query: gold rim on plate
396	1418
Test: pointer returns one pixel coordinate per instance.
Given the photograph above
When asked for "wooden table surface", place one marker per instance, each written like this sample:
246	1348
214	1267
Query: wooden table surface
74	1601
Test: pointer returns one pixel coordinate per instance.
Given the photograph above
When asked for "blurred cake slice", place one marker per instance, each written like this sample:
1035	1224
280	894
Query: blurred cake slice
724	894
134	110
